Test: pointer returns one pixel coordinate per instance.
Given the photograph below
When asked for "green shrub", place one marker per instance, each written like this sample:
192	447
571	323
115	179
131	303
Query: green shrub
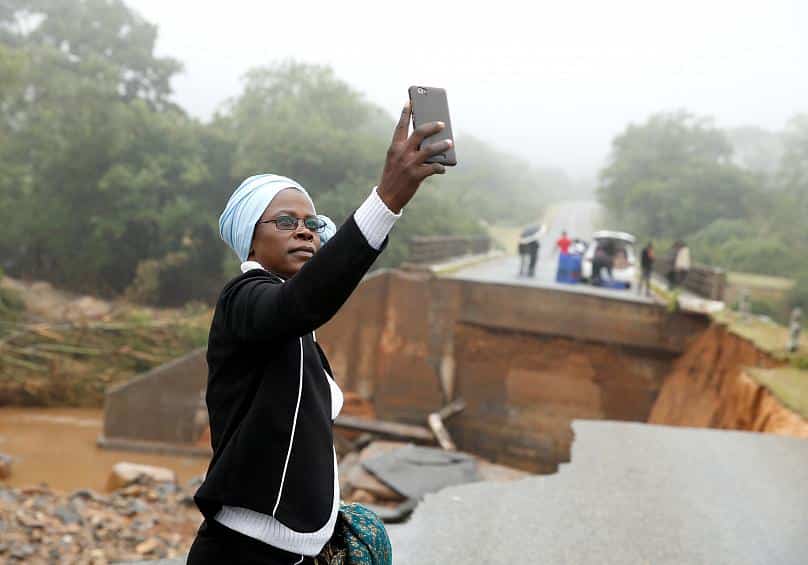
774	310
11	304
170	281
799	294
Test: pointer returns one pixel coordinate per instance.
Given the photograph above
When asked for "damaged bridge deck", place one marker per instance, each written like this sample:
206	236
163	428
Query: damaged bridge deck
632	494
526	360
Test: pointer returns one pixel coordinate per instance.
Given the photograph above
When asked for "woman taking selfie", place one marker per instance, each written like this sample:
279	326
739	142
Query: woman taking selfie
271	493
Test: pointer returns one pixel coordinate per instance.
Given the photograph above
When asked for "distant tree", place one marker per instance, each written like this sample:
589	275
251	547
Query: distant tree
756	149
677	176
99	171
799	294
303	120
100	39
672	176
739	245
106	185
791	208
300	120
794	165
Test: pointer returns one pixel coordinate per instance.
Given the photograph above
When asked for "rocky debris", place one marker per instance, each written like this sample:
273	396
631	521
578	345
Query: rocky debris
68	513
143	520
125	473
5	466
149	546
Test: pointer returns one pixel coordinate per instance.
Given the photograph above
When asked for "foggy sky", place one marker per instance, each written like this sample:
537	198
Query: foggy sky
550	81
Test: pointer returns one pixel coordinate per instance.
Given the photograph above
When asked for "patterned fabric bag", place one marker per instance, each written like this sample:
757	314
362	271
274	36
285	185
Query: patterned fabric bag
359	539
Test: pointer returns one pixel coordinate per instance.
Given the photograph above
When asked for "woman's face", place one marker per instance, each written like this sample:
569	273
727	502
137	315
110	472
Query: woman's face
284	252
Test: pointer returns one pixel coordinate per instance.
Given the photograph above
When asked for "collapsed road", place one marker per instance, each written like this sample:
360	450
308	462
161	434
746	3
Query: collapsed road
633	493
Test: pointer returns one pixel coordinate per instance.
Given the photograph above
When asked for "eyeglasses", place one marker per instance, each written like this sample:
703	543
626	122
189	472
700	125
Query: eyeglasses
288	223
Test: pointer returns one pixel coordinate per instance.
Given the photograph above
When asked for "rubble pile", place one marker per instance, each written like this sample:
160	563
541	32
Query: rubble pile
358	485
391	477
143	520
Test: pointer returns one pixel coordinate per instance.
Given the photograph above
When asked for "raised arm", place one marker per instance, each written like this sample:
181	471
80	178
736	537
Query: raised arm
259	308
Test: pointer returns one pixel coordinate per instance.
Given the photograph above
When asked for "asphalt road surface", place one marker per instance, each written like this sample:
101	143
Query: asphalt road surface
579	219
632	494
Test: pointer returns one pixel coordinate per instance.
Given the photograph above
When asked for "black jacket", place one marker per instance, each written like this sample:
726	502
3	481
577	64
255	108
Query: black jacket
268	398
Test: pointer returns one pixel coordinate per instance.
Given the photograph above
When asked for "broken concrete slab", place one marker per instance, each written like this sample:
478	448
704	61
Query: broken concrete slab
358	485
358	478
415	471
633	493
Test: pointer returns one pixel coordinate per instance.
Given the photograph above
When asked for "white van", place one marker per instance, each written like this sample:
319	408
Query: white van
619	246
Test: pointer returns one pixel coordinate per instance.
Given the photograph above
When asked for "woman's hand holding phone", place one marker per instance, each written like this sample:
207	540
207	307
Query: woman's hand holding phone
405	167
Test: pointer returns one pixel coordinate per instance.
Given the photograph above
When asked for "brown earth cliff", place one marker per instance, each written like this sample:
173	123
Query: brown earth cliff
710	386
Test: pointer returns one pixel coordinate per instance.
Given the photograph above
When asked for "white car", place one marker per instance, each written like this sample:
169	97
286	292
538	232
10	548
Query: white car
619	248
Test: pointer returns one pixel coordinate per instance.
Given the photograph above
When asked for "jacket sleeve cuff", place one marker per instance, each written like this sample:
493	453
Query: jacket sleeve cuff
375	220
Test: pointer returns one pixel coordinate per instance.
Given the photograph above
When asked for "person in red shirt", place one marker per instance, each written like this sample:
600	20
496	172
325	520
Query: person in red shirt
564	243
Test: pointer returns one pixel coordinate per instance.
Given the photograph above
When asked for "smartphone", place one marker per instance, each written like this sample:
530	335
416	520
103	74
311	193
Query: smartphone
430	105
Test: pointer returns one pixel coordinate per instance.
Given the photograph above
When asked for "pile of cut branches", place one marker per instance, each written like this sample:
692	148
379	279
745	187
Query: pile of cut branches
72	363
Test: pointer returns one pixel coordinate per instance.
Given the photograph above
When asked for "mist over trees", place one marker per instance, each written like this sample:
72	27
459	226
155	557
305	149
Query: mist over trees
108	187
757	149
738	197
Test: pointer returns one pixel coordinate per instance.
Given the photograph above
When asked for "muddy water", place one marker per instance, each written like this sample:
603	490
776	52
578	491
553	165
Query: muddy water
57	446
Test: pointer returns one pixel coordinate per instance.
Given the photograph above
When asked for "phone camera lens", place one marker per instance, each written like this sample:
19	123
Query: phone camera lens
421	90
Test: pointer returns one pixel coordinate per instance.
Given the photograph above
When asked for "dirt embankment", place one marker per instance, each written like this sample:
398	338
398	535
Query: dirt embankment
710	386
522	392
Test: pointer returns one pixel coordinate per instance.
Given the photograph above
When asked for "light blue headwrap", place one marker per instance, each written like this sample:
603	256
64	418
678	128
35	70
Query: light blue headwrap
247	204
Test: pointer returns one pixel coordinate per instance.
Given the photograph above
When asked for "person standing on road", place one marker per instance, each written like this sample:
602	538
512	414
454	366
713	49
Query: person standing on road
601	261
533	250
647	267
563	271
524	252
271	493
794	329
670	263
522	247
563	243
681	265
